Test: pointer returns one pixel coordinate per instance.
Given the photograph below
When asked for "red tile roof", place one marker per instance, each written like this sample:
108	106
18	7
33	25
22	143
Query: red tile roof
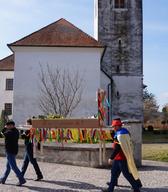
7	63
58	34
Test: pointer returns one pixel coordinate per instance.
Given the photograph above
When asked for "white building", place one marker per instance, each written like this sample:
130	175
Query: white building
58	44
6	84
118	26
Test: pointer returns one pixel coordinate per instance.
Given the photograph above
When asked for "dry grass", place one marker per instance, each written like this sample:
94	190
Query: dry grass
156	152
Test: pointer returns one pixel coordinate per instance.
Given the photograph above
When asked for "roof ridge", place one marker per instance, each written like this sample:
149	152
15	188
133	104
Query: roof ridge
59	33
82	31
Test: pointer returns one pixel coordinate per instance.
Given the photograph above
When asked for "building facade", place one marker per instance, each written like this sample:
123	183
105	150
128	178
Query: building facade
118	68
118	25
6	85
62	45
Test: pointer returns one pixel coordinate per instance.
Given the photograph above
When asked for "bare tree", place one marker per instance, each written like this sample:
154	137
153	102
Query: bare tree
150	106
165	113
60	90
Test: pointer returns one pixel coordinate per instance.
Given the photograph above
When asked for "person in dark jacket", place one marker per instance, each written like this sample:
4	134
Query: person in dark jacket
29	154
11	135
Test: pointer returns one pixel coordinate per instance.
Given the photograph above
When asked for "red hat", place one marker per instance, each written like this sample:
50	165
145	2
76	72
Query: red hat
116	123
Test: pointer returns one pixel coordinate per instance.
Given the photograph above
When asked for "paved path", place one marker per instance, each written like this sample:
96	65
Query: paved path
65	178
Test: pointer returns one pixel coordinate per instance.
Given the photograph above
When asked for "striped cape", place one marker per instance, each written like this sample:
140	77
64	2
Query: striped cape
125	142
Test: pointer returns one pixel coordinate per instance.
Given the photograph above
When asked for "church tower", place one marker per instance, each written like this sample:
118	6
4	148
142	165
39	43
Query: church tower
118	26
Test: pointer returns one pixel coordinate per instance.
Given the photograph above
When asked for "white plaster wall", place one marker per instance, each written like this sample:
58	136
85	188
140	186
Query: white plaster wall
104	81
130	94
27	60
5	96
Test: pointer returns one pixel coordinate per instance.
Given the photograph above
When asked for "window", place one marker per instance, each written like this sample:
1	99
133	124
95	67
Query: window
9	84
119	4
8	108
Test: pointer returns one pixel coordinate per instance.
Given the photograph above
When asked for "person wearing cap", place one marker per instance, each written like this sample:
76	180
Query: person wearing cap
112	132
29	157
11	135
122	159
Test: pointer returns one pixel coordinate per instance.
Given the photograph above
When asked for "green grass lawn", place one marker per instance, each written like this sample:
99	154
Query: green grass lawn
154	137
155	146
155	151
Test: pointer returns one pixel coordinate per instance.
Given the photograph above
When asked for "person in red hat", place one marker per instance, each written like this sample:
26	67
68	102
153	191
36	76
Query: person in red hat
122	159
113	147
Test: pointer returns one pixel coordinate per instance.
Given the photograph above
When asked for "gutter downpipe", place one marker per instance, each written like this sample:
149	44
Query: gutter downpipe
108	88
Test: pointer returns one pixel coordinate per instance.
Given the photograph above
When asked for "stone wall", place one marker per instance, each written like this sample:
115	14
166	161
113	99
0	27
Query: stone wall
73	154
135	129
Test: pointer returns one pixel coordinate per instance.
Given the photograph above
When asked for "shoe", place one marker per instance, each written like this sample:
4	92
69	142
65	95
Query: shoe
139	183
108	183
39	178
137	190
20	183
2	182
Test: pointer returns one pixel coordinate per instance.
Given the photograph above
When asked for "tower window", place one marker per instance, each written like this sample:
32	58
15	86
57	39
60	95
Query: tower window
118	69
119	4
119	43
99	4
8	108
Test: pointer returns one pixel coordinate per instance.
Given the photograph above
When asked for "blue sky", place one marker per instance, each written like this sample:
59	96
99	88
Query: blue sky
19	18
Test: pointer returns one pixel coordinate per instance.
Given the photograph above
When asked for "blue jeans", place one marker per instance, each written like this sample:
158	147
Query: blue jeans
11	164
29	158
117	166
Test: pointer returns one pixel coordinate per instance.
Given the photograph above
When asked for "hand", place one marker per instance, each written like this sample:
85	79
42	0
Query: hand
110	161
